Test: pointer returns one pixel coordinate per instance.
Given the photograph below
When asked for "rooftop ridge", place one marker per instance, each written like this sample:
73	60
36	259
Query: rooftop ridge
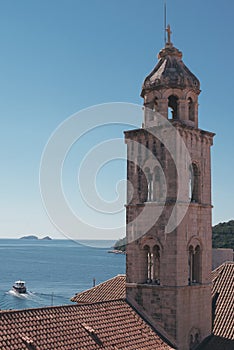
58	307
111	289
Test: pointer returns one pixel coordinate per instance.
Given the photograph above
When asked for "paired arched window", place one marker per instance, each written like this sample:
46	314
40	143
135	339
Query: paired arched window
194	338
194	265
154	181
194	183
172	107
153	264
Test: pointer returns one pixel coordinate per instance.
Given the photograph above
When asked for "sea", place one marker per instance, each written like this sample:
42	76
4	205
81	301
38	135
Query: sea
53	270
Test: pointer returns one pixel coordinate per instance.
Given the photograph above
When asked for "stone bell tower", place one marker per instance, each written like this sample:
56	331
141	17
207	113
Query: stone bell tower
169	272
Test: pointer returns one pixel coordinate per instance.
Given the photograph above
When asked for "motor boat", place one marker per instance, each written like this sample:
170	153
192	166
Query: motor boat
19	287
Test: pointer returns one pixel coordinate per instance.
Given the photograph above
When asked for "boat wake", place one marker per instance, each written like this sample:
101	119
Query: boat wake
20	295
11	299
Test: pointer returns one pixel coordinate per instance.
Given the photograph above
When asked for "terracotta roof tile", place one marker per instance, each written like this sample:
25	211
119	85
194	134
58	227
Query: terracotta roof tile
111	289
223	309
104	325
223	296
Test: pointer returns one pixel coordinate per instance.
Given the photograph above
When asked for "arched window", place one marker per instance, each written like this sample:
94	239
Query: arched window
156	264
149	177
146	270
194	338
193	183
142	185
197	264
172	107
149	265
190	263
153	264
157	184
191	109
152	110
154	149
156	105
194	265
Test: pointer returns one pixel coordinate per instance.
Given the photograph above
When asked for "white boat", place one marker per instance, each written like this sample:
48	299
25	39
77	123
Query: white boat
19	287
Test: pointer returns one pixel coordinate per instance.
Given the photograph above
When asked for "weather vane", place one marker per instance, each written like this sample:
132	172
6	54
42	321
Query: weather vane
165	21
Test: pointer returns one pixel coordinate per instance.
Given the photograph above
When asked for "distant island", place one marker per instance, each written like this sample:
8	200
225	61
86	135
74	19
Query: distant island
32	237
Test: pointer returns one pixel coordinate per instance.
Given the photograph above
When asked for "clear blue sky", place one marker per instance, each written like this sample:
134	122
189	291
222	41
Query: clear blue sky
58	57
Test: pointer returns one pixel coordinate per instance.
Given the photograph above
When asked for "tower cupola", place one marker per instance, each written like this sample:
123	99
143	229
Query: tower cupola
171	89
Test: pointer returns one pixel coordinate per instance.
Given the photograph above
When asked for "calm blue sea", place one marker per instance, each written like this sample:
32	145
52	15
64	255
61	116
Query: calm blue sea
53	270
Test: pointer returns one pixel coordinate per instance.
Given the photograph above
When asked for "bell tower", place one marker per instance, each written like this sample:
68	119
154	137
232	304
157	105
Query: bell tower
169	272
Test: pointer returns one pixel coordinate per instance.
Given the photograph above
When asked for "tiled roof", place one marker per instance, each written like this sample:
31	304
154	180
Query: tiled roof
223	294
109	325
223	302
111	289
223	309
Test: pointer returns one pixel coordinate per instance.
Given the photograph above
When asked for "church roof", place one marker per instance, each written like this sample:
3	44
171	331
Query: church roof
104	325
111	289
170	72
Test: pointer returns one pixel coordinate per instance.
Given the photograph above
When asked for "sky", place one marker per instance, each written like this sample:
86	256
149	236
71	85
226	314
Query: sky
59	57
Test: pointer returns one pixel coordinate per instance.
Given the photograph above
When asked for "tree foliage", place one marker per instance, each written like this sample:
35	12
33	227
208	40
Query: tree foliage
223	235
120	244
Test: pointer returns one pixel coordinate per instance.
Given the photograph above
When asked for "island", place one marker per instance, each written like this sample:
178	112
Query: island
29	237
34	238
46	238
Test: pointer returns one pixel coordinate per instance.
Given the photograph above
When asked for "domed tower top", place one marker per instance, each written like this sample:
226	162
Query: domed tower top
171	89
